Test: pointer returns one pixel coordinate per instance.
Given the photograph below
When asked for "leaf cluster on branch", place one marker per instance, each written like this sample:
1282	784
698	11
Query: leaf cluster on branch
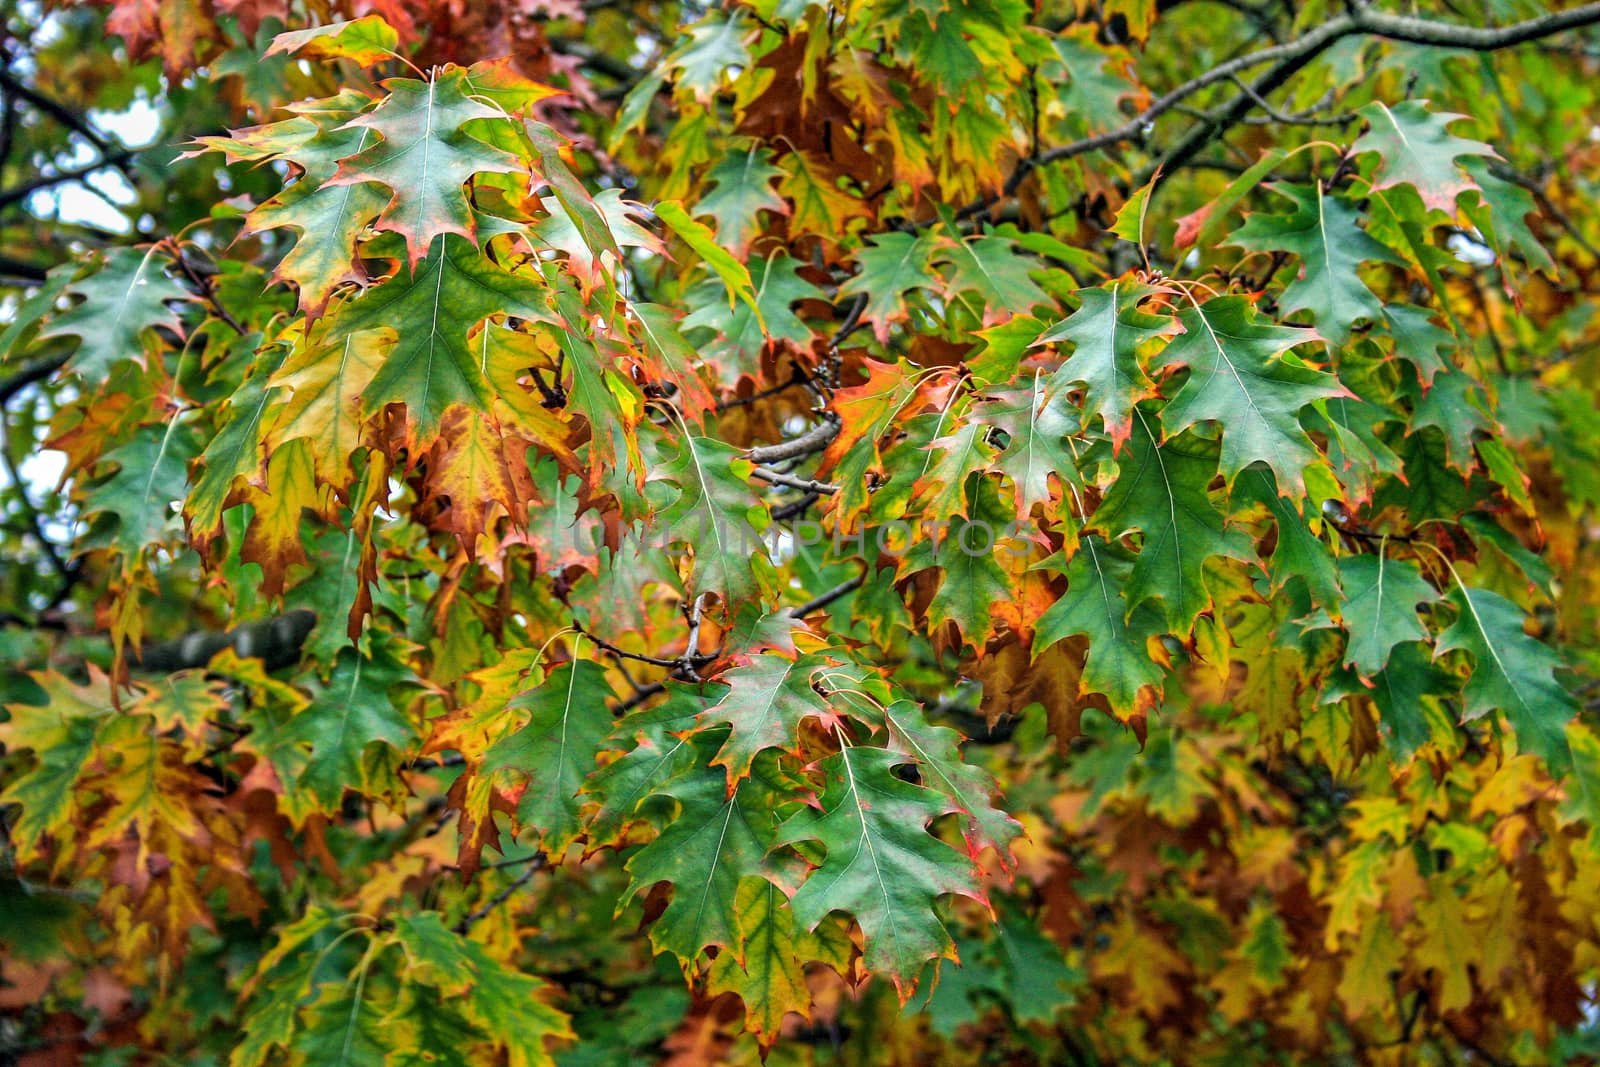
962	532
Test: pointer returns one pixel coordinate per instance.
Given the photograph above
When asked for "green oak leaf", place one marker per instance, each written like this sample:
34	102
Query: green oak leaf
365	40
949	461
972	580
703	242
1379	605
61	734
1512	672
1239	380
1098	606
766	701
431	1032
766	971
328	218
991	268
1106	332
127	295
622	785
431	366
1161	491
1456	405
509	1007
715	512
741	188
882	866
569	721
1323	234
893	266
709	50
1036	427
1407	692
937	752
345	1026
1418	340
1500	212
237	451
357	709
425	156
718	839
137	499
1299	552
730	337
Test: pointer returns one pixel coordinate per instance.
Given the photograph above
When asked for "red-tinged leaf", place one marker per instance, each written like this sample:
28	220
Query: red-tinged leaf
767	700
478	475
1417	149
1107	331
669	358
426	157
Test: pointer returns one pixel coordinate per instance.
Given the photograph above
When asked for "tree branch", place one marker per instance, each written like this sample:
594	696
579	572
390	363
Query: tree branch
71	174
1288	59
35	370
275	641
813	440
535	862
817	603
767	474
67	117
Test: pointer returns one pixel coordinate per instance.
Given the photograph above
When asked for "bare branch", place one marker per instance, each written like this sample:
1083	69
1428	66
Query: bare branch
276	641
821	601
767	474
71	174
813	440
535	862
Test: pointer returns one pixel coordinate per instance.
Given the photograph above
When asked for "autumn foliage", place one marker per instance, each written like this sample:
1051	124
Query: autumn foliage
611	532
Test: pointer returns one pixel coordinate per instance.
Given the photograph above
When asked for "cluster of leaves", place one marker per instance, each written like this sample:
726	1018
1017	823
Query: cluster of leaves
605	506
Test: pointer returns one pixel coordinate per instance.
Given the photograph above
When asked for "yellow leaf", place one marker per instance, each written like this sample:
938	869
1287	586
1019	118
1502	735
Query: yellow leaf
324	406
1448	946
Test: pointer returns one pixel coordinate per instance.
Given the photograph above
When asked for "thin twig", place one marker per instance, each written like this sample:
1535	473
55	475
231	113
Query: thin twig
536	863
821	601
798	378
767	474
654	661
644	693
202	284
